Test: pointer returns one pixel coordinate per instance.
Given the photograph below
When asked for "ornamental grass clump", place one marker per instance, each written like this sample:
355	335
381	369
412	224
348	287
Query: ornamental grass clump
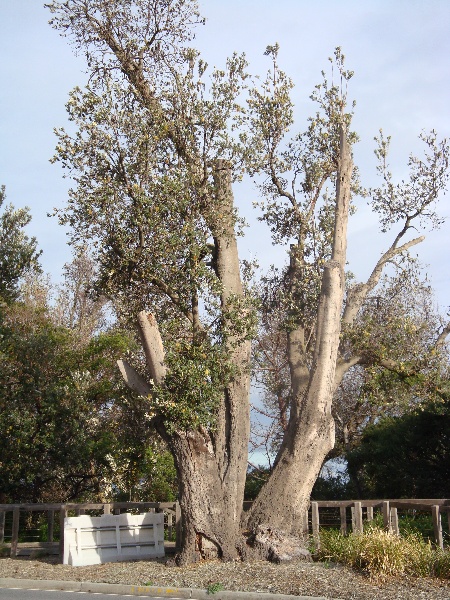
442	564
382	555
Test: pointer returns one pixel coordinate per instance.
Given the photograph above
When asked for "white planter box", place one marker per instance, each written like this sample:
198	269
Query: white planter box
111	538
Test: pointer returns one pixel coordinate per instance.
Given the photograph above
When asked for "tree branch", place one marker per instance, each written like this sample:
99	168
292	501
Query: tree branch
153	346
443	336
358	293
133	380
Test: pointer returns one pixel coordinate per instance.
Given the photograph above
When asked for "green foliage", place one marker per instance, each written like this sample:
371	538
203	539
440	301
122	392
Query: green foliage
192	389
18	252
143	472
256	478
53	396
145	199
413	522
333	487
383	555
213	588
405	457
410	522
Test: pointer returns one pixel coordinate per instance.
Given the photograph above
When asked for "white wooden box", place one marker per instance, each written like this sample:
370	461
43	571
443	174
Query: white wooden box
110	538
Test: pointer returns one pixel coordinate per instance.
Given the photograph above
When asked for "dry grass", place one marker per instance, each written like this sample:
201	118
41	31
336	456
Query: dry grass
382	555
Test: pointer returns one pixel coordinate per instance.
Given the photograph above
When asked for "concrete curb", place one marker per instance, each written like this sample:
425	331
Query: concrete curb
144	591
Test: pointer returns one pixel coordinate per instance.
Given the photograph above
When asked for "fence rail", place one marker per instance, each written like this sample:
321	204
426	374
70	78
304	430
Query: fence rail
389	510
359	509
61	511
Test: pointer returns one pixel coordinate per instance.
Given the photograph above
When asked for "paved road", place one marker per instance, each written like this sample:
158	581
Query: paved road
21	594
23	589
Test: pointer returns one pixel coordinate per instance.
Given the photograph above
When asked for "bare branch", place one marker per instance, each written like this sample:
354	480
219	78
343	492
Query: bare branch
443	336
153	346
133	380
358	293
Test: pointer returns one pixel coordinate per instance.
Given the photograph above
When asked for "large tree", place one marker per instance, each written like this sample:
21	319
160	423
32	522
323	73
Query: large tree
156	151
300	210
154	194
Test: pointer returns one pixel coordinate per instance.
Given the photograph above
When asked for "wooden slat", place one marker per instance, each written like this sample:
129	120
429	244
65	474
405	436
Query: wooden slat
386	515
15	532
358	525
394	521
437	526
62	515
315	523
343	515
50	525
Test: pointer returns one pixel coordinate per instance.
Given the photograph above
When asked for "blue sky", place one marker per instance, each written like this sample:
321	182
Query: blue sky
398	49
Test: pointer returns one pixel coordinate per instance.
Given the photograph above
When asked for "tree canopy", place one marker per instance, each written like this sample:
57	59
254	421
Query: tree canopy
72	429
405	457
158	142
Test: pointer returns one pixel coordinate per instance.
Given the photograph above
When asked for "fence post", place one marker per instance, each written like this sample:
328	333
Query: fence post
169	525
369	513
15	531
50	522
62	515
107	509
386	515
315	523
358	522
437	526
394	521
306	523
178	526
343	514
2	526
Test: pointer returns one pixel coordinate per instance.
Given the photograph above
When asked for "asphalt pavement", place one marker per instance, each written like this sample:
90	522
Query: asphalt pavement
37	589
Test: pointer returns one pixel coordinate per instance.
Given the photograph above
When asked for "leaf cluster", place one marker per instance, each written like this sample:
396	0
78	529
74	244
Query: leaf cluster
18	252
193	387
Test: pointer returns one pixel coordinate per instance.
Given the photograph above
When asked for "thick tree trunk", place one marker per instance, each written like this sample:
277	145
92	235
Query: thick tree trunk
230	440
211	466
284	499
210	519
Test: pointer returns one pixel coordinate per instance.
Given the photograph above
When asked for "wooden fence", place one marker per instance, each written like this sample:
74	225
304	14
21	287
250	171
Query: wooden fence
171	510
389	509
357	510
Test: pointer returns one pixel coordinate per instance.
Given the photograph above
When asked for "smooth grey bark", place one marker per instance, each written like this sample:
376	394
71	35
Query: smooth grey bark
284	499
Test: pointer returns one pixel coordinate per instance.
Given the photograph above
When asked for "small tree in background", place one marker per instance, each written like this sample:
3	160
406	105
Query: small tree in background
18	253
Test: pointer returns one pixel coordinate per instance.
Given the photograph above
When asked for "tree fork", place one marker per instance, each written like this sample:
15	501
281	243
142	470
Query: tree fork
310	435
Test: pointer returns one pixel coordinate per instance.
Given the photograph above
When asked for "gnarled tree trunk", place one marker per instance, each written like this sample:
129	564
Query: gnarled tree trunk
211	465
